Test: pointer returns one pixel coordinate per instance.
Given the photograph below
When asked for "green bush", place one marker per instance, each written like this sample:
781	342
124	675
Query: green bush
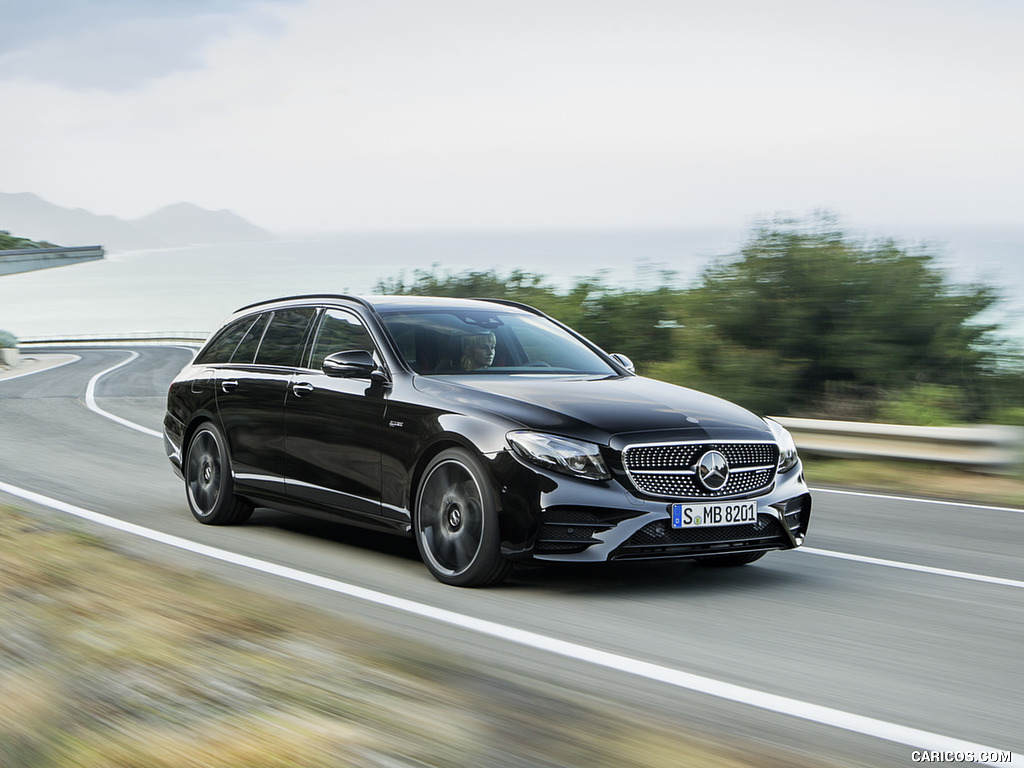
1010	416
925	405
7	339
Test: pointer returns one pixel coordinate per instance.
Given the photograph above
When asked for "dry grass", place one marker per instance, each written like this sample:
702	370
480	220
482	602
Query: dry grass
109	661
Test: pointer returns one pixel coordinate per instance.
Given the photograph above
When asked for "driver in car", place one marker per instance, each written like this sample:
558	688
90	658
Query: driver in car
478	351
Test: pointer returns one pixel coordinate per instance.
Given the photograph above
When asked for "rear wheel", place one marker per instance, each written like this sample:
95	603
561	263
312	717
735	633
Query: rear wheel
456	522
208	481
730	561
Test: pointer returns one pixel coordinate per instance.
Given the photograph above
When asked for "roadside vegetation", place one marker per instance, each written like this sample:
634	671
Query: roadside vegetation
9	242
108	660
805	320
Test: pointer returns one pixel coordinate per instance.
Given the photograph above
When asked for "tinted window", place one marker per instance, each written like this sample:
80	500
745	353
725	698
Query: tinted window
339	332
245	352
282	342
223	346
443	342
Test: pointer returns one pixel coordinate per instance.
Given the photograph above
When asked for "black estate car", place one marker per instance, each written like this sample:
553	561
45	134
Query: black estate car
485	429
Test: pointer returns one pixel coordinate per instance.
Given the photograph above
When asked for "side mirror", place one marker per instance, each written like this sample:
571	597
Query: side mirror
351	364
625	362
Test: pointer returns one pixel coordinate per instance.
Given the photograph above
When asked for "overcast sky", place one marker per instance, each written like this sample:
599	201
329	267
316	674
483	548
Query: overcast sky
311	115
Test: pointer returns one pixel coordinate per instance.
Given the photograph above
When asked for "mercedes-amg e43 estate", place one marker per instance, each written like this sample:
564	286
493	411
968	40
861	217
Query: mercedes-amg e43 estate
489	432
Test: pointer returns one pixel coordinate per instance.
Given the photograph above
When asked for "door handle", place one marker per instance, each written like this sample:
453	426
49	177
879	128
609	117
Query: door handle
301	389
228	385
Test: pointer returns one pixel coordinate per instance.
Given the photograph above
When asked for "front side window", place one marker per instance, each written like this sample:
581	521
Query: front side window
480	341
282	341
339	331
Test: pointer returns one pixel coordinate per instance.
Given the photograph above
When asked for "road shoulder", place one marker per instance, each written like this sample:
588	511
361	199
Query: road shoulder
36	363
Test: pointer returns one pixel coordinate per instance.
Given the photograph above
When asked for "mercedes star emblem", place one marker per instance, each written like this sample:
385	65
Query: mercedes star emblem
713	470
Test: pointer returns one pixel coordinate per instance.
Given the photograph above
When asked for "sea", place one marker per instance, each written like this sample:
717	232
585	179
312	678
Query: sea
192	289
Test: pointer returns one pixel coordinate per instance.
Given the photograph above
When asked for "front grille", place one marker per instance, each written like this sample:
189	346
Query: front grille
660	539
669	470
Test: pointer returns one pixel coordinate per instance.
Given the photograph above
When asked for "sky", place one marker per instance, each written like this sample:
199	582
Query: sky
321	115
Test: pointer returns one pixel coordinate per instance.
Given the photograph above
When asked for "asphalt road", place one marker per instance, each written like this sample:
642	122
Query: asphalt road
806	652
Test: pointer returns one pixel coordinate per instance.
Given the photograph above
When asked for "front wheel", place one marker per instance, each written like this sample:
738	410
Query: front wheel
456	522
208	481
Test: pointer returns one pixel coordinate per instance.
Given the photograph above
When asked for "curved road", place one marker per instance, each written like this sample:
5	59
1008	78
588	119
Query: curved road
897	629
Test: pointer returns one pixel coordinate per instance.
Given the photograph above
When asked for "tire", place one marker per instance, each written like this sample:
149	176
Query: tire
456	522
731	561
209	485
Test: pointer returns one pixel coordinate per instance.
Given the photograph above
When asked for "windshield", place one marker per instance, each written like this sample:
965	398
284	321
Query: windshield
456	341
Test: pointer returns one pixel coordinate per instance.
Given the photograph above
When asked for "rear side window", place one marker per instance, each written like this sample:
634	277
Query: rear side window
245	352
223	345
282	341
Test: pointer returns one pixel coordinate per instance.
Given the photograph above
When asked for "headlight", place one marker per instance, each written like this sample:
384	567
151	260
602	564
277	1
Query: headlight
570	457
787	448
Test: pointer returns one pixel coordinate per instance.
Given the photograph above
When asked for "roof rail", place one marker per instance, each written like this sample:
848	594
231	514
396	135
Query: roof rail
517	304
308	296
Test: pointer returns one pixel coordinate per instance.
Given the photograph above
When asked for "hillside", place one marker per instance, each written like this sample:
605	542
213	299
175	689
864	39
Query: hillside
175	225
9	242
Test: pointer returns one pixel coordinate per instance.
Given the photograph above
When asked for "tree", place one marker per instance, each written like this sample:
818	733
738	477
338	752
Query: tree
842	316
804	320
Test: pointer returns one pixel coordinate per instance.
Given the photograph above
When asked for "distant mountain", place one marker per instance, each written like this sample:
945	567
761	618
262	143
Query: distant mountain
187	224
28	215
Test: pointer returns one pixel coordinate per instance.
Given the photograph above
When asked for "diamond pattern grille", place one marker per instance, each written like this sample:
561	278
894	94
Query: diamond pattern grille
669	470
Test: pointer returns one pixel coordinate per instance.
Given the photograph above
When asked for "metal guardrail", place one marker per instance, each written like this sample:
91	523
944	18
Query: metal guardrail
980	447
188	338
30	259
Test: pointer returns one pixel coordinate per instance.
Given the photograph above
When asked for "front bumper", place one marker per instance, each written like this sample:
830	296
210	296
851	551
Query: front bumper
557	518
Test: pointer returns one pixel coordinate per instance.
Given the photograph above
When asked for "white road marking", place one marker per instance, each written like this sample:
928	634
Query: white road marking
90	400
913	567
942	502
848	721
11	377
780	704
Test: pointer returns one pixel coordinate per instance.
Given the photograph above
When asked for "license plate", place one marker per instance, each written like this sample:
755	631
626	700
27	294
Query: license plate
708	515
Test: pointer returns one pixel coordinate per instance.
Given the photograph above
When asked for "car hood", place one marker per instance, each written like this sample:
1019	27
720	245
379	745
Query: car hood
600	408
